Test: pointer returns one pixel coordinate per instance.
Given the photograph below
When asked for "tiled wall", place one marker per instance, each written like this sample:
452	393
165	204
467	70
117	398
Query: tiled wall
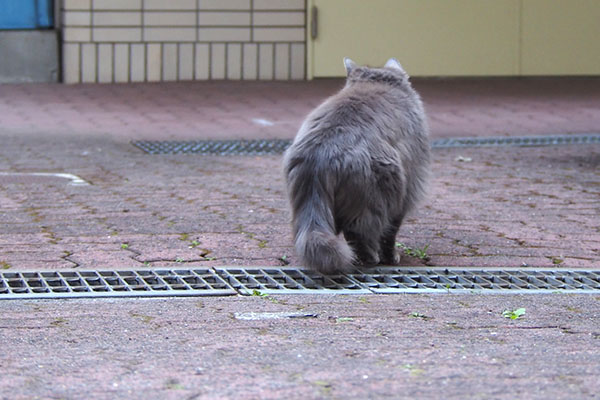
168	40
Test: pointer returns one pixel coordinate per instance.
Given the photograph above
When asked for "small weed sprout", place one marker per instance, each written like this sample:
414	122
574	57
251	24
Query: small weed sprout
173	384
557	260
284	260
414	252
413	370
419	315
266	296
513	314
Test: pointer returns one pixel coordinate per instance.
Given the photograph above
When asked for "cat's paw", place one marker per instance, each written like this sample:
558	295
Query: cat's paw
369	259
390	259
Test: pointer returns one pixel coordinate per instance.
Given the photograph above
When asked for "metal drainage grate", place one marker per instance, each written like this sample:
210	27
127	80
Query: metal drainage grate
278	146
412	280
522	141
215	147
153	283
249	281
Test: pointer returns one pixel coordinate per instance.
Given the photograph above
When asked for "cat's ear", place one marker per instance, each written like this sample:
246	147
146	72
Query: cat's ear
393	63
349	64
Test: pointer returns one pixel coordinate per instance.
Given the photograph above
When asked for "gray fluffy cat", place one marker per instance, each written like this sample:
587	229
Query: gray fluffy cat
356	167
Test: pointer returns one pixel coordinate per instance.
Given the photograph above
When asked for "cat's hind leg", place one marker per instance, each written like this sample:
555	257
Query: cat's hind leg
363	236
388	252
365	248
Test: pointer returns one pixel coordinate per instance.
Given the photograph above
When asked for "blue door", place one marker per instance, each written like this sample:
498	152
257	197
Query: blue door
26	14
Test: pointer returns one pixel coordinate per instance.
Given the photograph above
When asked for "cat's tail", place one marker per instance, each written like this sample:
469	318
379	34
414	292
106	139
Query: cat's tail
317	243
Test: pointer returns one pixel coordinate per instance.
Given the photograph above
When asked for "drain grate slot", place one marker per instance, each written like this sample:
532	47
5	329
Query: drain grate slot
278	146
272	280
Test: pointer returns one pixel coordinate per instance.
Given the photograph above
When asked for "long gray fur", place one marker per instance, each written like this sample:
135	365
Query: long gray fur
357	166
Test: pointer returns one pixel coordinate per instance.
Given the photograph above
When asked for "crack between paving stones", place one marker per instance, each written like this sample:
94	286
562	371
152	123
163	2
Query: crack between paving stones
154	260
24	327
540	327
67	256
261	243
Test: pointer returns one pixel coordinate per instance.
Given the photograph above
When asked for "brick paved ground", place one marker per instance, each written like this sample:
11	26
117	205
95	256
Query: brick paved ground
505	207
457	107
520	207
371	347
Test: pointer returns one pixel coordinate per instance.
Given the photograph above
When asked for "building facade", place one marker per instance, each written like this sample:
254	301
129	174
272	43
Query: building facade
120	41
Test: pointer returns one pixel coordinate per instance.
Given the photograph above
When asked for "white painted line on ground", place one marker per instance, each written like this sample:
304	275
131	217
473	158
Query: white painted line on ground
74	179
262	122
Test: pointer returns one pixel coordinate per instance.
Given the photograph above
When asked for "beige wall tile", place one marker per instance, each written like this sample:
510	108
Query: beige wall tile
105	63
157	18
169	47
234	61
76	18
298	61
217	61
169	62
88	63
224	34
117	4
250	61
265	61
117	34
137	66
278	34
71	63
202	61
279	4
170	34
224	4
282	61
153	62
270	18
186	62
77	34
77	4
220	18
117	18
170	4
121	63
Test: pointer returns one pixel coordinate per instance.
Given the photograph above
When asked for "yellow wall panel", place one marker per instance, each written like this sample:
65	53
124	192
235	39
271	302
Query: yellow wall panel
560	37
429	37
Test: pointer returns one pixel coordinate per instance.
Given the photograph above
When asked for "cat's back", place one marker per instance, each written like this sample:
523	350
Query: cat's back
359	104
376	116
362	113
